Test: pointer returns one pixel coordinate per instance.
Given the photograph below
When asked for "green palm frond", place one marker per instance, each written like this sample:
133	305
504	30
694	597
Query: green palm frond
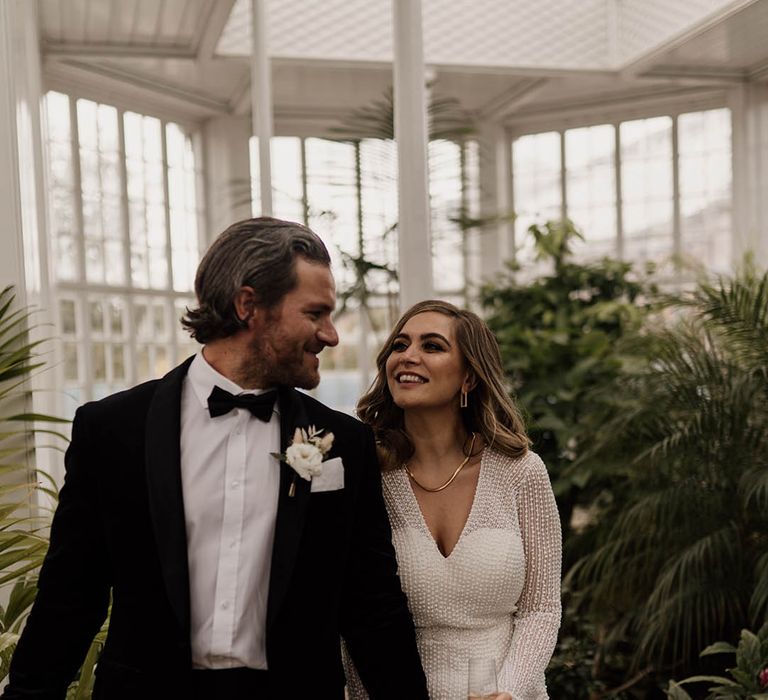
738	307
23	522
447	119
689	418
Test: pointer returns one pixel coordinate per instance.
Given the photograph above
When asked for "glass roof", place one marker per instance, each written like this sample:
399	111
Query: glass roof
549	34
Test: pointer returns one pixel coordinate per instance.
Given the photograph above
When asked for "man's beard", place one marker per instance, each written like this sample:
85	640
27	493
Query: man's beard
266	367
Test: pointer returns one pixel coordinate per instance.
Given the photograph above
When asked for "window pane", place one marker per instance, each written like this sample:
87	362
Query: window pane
705	187
146	200
591	188
286	178
67	314
445	199
646	188
183	207
536	168
333	201
378	193
71	370
62	186
100	186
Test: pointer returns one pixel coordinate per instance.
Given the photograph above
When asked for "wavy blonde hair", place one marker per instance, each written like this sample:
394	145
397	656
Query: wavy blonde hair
491	412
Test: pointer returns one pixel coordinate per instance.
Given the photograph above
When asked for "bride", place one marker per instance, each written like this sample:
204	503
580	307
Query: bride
474	520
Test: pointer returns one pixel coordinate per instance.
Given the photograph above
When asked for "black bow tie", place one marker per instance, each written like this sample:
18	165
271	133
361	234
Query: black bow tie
260	405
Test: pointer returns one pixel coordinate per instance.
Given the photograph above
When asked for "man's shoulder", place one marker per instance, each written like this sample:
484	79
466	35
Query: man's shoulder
329	418
135	397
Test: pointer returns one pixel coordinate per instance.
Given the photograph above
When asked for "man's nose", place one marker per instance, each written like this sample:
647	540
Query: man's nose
327	334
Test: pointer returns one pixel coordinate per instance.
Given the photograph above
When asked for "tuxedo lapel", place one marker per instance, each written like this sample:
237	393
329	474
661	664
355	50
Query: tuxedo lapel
163	469
291	509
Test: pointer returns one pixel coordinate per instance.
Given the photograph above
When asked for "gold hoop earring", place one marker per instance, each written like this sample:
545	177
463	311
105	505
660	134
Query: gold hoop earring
463	400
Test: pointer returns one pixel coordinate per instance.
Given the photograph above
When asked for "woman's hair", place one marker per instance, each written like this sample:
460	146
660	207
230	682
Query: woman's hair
490	410
259	253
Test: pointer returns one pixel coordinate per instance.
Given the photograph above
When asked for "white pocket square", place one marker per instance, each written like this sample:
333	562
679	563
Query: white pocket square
331	478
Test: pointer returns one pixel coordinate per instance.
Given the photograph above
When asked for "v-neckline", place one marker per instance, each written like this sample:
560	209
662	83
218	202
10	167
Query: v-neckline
423	521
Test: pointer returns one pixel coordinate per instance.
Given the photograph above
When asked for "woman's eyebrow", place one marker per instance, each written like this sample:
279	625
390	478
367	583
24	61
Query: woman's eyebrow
427	336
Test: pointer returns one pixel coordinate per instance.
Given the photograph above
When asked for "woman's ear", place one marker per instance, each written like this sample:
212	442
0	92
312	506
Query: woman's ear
245	305
470	381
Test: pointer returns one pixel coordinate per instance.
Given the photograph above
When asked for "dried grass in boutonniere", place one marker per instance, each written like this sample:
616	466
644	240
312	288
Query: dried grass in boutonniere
305	454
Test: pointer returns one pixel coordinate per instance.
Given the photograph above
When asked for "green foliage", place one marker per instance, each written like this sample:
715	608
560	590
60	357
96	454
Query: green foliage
558	336
23	522
446	117
748	679
679	555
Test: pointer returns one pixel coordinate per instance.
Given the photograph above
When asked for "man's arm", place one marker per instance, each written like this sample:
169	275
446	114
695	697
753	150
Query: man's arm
376	623
73	588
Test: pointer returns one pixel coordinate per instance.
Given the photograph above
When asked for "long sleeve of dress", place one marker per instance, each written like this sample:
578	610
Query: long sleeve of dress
537	619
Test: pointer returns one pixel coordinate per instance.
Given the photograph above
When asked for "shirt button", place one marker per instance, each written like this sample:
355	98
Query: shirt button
235	484
225	605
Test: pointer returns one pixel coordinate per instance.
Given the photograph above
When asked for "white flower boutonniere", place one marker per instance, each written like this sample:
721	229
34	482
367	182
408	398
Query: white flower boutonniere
305	454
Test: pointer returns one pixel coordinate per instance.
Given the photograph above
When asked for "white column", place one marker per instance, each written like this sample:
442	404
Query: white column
494	242
227	173
749	105
23	237
415	257
12	261
261	101
24	262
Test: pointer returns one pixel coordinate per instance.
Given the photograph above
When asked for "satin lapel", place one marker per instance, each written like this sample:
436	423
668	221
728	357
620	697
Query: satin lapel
163	465
291	510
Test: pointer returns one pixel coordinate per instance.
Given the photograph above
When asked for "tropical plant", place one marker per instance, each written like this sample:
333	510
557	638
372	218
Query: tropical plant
24	515
679	554
558	337
748	679
23	541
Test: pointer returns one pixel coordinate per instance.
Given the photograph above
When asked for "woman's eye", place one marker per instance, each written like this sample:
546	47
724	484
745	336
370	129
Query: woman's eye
433	347
398	346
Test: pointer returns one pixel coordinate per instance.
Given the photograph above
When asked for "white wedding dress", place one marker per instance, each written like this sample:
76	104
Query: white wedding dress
498	592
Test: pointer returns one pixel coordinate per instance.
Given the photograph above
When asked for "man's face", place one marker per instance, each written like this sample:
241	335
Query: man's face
292	334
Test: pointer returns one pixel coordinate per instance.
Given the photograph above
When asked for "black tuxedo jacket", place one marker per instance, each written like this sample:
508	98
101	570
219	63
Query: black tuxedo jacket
119	526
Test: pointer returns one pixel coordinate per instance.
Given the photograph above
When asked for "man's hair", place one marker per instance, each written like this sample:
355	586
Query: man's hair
259	253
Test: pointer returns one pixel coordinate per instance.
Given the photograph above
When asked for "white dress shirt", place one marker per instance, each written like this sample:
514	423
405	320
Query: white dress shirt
230	486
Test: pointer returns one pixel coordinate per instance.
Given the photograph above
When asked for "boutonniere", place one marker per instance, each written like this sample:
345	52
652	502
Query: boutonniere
305	454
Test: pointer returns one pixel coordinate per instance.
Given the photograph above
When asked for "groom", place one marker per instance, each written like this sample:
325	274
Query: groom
231	575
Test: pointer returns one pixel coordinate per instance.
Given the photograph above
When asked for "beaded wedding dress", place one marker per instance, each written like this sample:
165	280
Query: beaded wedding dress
497	594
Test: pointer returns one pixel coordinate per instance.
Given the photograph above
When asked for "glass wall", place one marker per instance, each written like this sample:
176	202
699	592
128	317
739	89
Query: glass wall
655	189
124	236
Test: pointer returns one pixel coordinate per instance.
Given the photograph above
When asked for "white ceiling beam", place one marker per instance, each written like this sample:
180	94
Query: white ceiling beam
210	28
506	102
696	74
150	84
759	73
646	61
115	50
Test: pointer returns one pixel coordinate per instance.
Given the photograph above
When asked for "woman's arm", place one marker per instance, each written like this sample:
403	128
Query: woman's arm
538	615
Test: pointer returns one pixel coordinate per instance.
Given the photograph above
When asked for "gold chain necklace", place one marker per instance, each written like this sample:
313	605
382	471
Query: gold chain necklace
451	478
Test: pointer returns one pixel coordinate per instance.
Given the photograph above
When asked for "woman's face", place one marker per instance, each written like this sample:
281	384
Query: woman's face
425	368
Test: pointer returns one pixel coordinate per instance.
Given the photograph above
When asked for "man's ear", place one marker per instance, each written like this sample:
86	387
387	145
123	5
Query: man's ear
246	307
